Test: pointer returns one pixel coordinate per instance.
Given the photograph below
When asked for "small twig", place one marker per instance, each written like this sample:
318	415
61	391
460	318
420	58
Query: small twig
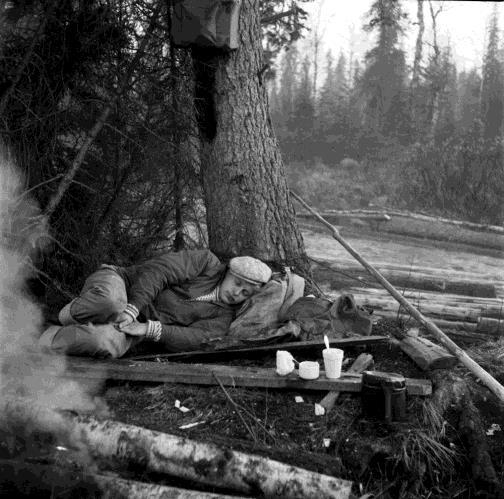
29	263
276	17
237	408
27	191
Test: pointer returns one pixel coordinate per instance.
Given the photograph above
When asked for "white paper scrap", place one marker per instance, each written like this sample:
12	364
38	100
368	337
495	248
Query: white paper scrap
298	399
493	428
319	410
177	403
327	442
184	409
190	425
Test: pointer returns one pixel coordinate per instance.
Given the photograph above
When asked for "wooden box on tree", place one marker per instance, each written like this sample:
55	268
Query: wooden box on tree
207	23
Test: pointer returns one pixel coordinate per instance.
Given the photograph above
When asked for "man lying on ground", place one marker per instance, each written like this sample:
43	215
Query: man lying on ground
179	301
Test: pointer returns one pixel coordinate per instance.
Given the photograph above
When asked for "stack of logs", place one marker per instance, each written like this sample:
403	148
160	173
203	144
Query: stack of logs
466	309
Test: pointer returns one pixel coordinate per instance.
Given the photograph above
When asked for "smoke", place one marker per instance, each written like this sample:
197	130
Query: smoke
24	369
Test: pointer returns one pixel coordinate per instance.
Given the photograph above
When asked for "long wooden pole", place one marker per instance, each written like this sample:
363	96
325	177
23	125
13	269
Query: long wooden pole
486	378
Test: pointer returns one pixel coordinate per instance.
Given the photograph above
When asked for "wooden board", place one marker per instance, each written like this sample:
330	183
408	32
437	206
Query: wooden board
247	351
363	362
426	354
211	374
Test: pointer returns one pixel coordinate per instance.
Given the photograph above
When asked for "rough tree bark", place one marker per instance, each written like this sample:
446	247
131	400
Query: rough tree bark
248	206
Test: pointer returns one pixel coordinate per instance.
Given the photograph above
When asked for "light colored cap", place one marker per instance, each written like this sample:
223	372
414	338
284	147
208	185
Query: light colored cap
250	269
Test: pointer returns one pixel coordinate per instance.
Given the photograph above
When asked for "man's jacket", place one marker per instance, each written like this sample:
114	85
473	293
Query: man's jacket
163	289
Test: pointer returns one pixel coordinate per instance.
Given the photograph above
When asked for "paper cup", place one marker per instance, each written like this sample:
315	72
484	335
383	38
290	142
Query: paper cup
333	357
284	362
309	369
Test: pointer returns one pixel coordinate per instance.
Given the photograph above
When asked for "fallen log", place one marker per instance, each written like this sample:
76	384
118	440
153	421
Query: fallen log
406	269
457	314
247	351
488	306
495	229
371	214
28	479
465	331
349	277
473	366
424	353
360	364
210	374
431	306
490	326
204	463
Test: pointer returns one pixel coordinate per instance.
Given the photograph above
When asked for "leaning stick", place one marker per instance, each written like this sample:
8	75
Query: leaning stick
485	377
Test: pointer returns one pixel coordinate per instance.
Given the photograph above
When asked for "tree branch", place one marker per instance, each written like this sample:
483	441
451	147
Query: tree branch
276	17
79	159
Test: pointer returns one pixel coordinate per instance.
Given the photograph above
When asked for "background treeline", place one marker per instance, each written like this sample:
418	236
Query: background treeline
379	131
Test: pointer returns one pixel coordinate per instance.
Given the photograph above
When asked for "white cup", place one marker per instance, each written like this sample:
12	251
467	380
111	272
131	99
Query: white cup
333	358
284	362
309	369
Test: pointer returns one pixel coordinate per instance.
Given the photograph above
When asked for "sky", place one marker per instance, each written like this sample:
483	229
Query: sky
462	22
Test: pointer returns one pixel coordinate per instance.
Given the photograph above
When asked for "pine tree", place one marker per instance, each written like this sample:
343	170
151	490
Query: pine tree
445	126
469	95
283	102
492	105
332	127
302	118
383	82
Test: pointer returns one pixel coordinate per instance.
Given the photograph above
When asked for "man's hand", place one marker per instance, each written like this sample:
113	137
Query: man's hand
134	329
123	320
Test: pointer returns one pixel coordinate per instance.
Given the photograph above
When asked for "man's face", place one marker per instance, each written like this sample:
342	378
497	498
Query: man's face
234	290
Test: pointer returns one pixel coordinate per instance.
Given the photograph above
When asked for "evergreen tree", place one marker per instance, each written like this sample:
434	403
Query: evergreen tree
445	126
302	118
333	121
284	97
492	105
383	82
469	93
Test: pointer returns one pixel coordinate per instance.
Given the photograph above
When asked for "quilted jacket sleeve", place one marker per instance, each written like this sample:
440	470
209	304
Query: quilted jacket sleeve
156	274
197	336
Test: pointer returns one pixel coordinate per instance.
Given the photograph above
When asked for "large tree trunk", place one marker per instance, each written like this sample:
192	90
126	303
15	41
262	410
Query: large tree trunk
248	206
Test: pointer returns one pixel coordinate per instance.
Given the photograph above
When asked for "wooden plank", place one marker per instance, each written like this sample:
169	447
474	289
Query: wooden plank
247	351
360	364
211	374
426	354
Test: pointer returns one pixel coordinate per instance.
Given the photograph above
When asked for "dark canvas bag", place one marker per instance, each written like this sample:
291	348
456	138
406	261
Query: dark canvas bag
305	318
319	316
